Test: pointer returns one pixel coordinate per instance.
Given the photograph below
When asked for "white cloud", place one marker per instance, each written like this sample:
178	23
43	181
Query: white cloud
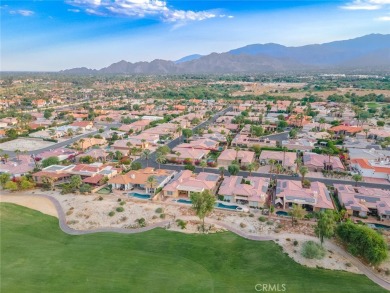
384	18
22	12
366	4
74	10
142	8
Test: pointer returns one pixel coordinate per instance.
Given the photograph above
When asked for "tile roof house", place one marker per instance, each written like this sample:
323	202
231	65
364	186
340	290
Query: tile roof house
136	126
138	179
227	157
251	191
346	130
247	141
201	144
286	159
289	192
85	125
378	168
61	153
186	182
17	167
315	162
188	153
301	144
358	201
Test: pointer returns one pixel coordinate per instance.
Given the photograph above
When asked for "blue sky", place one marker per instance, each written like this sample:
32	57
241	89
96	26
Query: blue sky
54	35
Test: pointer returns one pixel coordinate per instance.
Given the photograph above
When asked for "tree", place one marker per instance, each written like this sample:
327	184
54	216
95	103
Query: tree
380	123
11	133
272	162
357	178
145	155
203	164
297	212
165	150
233	169
24	183
160	159
151	181
129	144
187	133
50	161
326	225
303	171
48	182
136	166
189	167
203	204
222	170
293	134
4	178
6	157
85	188
251	167
10	185
47	113
118	155
75	182
17	153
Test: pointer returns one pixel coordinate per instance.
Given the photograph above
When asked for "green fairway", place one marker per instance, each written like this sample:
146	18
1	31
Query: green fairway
36	256
372	105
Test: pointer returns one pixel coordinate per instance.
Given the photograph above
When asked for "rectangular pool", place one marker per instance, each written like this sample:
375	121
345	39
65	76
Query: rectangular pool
139	195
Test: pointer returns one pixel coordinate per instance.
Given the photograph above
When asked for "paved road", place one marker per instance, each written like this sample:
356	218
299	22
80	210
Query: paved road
63	143
165	224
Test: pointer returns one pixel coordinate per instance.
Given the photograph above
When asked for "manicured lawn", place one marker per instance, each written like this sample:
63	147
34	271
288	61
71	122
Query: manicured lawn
372	105
36	256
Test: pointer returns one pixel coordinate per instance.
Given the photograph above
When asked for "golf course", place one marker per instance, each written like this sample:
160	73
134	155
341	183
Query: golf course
36	256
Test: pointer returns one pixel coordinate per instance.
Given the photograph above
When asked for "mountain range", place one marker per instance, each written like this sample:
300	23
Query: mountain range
370	52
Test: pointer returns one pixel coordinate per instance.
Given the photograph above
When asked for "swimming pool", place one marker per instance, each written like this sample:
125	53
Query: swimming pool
228	207
186	201
378	226
217	205
282	213
139	195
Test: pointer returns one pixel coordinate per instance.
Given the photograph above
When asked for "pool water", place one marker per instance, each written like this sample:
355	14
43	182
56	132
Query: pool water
229	207
217	205
282	213
186	201
139	195
378	226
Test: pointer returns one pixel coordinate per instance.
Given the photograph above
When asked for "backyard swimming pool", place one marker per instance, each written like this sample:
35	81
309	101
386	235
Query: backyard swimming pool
217	205
282	213
378	226
139	195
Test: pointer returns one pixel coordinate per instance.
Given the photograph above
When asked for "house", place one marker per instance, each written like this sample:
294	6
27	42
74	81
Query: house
298	120
57	173
247	141
136	126
88	142
378	168
39	103
346	130
84	125
99	155
61	153
251	191
188	153
186	182
244	158
201	144
315	162
18	166
362	201
289	192
11	121
286	159
301	144
138	179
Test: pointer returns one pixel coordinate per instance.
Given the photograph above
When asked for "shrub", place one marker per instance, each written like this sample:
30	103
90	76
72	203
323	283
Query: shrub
363	241
312	250
270	223
295	243
120	209
162	216
306	183
251	215
141	222
348	264
159	210
182	224
242	225
100	198
122	203
262	219
123	219
111	214
119	199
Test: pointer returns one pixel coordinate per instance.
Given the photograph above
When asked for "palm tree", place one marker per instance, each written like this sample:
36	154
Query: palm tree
251	167
129	144
366	131
6	157
284	155
203	164
278	168
222	170
356	178
321	122
160	159
237	150
81	141
272	163
298	162
151	182
303	171
70	132
17	153
145	155
143	143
